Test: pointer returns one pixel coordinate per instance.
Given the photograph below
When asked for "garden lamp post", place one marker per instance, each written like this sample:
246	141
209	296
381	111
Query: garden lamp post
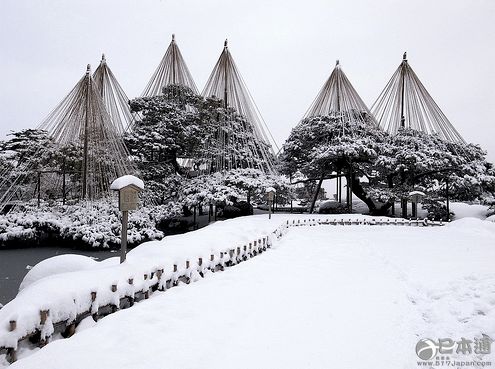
271	195
416	196
128	187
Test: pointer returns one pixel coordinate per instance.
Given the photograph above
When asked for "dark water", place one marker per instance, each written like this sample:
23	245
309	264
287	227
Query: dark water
13	263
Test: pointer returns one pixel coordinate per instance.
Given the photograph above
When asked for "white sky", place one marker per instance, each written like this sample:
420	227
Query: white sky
284	49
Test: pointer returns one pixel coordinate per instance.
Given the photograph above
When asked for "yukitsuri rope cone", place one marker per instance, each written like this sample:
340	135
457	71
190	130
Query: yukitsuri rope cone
226	83
113	96
405	103
172	70
338	98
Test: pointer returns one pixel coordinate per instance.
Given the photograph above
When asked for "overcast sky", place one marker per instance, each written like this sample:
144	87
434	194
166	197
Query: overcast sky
284	49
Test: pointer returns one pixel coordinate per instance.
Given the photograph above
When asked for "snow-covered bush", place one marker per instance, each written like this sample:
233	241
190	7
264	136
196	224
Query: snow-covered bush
95	224
332	207
230	186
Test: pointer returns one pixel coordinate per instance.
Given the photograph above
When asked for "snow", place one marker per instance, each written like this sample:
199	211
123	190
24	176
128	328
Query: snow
412	193
86	323
56	265
67	294
463	210
125	181
270	189
325	296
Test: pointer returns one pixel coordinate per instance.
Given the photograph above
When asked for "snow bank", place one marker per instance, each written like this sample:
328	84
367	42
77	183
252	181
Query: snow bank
56	265
463	210
67	294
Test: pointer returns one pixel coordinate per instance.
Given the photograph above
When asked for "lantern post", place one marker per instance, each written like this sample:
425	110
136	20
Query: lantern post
271	195
128	188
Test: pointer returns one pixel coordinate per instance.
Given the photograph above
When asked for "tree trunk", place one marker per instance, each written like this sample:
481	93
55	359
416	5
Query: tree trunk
358	190
315	197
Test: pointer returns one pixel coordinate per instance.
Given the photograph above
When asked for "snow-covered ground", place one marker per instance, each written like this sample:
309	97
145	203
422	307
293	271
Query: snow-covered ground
322	297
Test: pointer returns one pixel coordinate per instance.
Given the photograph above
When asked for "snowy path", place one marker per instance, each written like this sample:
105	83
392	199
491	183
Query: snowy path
325	297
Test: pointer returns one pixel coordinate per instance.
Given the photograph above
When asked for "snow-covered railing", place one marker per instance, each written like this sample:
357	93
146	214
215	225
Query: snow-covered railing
118	295
57	304
364	221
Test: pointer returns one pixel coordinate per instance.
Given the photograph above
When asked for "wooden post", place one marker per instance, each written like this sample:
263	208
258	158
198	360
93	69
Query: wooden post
349	186
43	317
39	189
159	273
86	134
93	299
402	75
447	197
131	298
11	352
147	291
123	242
115	307
414	206
194	219
404	207
63	182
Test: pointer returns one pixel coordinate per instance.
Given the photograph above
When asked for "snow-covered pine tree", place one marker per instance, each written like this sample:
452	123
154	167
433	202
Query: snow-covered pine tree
415	160
320	146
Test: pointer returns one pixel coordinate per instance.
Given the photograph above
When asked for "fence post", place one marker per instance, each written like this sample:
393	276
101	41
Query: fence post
131	298
114	307
159	273
93	299
12	352
43	317
147	292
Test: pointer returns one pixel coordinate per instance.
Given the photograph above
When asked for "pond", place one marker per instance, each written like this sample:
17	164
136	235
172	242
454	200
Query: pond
15	263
